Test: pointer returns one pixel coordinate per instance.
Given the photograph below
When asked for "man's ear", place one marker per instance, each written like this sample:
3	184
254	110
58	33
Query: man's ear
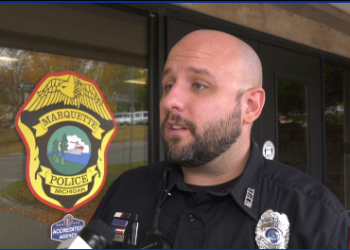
254	102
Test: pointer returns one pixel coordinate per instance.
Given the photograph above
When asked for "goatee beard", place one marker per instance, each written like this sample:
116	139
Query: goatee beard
216	138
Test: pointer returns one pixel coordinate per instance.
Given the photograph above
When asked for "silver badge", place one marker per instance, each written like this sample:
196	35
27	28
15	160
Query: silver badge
272	231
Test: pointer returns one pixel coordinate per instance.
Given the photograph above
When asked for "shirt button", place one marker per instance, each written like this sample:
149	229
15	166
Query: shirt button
191	218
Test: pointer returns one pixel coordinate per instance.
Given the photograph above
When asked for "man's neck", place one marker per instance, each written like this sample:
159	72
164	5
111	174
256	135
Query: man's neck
224	168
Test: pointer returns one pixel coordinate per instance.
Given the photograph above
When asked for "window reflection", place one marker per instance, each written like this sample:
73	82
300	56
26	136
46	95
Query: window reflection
292	124
337	136
125	90
103	43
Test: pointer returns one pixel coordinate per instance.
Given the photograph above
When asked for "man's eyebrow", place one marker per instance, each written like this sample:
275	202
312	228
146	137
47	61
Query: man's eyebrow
200	71
166	71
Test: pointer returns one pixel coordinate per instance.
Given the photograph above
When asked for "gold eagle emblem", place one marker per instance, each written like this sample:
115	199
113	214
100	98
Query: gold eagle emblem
71	91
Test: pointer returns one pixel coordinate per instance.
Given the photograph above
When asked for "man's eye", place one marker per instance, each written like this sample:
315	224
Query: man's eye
198	86
167	88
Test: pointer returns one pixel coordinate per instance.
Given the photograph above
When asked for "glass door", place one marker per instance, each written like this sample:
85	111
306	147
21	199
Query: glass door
337	131
292	117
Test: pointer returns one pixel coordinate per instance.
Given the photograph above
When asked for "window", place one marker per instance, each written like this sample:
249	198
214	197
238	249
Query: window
106	45
337	114
292	124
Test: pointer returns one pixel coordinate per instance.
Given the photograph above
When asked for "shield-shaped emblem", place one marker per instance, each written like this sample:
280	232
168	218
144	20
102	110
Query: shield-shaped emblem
67	127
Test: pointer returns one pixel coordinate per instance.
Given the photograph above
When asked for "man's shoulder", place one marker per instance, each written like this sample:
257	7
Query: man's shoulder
299	184
148	171
317	218
142	174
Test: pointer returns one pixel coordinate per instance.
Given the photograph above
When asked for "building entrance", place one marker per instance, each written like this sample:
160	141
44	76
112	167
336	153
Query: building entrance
292	117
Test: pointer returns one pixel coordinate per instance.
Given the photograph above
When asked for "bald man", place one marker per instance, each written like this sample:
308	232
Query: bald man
216	190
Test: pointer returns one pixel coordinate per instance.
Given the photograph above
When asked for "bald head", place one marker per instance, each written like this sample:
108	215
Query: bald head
235	57
211	97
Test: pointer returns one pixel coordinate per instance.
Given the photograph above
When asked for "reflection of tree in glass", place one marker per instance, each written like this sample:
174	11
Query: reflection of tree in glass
292	132
11	74
335	131
31	67
292	100
141	91
112	84
333	78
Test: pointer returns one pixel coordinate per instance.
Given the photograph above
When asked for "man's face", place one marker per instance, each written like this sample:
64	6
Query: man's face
215	139
200	109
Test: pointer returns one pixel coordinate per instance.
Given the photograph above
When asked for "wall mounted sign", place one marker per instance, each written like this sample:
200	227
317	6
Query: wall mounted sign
67	127
268	150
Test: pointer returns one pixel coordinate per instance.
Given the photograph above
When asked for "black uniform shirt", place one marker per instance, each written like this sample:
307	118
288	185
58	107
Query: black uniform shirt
228	219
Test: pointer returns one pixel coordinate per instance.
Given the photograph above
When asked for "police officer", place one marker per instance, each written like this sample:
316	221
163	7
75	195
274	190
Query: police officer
216	190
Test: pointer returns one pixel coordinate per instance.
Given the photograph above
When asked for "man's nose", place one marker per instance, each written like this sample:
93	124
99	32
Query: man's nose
176	98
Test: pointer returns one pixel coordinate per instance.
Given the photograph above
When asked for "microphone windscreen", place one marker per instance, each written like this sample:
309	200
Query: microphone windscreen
101	229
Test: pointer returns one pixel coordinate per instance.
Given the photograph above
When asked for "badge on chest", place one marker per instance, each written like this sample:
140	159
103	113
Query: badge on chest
272	231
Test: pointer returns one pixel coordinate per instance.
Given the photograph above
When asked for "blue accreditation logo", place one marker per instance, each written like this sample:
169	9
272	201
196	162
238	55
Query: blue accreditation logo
67	228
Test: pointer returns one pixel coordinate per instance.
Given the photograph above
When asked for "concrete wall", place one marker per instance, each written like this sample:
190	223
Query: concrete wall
319	25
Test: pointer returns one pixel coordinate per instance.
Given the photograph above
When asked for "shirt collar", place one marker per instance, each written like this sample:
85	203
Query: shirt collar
250	180
176	179
246	191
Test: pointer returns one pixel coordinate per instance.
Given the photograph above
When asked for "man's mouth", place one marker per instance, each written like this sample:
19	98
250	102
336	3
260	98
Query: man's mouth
176	127
177	124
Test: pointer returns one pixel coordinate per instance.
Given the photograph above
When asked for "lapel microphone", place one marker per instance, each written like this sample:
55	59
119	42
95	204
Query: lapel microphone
154	238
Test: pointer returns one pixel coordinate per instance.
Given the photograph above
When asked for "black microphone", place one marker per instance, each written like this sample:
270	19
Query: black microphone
96	235
154	238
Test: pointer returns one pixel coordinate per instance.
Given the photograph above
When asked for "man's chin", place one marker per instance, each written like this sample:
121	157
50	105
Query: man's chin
177	141
175	151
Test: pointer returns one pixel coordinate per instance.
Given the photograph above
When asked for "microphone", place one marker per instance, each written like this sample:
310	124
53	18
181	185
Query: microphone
96	235
154	238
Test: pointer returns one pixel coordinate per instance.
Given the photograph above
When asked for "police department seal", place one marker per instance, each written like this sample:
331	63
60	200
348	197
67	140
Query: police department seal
67	127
